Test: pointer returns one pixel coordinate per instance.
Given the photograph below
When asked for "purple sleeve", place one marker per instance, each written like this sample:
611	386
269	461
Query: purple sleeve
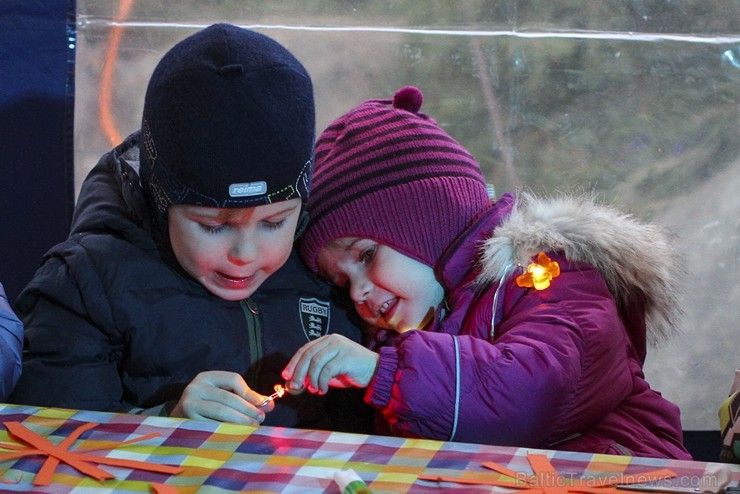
380	389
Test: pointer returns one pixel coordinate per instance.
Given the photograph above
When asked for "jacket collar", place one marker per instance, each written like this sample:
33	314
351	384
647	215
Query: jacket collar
461	257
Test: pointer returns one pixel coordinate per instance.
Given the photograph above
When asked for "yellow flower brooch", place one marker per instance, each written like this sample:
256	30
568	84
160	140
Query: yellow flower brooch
539	274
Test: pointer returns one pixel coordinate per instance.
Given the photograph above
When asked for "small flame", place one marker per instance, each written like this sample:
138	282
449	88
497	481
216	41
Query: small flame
279	391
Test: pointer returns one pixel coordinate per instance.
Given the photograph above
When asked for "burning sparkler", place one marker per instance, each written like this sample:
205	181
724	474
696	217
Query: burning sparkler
279	391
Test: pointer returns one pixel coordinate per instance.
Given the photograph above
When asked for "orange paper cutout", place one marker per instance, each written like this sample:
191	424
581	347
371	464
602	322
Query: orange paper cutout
159	488
56	454
547	481
539	274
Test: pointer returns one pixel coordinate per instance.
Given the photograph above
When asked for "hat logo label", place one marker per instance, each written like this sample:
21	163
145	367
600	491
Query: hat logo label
247	189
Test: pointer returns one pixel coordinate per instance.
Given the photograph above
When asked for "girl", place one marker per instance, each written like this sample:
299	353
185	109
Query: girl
514	322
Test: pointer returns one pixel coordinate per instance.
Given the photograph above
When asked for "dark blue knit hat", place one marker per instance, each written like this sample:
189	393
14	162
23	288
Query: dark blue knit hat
228	122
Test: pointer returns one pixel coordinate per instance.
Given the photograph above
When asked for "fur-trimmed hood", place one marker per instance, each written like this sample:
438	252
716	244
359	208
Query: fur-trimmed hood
635	258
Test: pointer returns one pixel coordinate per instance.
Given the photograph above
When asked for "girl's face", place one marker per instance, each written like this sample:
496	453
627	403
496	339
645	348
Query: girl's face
390	290
232	252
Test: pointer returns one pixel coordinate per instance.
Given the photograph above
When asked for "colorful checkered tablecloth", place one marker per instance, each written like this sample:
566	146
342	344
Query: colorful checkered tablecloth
219	457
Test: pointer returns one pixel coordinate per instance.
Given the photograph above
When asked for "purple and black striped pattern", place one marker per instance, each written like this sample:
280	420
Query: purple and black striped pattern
388	172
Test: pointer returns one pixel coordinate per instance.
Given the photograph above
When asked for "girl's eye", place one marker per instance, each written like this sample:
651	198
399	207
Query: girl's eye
213	228
367	255
274	225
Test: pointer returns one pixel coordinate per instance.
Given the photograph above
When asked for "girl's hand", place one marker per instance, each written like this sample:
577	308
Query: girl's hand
221	396
332	360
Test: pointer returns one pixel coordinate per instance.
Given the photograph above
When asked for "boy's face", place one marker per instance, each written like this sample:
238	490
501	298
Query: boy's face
232	252
390	290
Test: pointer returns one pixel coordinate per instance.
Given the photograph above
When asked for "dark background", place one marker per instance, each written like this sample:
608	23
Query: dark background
37	39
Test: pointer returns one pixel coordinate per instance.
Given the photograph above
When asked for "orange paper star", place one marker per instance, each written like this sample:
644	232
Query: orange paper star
539	274
56	454
547	481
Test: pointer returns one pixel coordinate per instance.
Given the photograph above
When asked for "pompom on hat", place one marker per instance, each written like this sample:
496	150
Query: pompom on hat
388	172
228	122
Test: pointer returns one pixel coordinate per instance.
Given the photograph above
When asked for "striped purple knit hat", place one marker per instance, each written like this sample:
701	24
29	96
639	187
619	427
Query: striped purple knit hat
388	172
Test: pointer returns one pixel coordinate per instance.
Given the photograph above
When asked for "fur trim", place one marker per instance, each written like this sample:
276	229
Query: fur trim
633	257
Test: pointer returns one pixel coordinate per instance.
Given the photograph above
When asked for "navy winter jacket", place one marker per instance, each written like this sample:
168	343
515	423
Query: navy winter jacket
112	325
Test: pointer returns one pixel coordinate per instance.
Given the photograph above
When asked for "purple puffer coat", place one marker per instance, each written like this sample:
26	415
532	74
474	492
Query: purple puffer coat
559	368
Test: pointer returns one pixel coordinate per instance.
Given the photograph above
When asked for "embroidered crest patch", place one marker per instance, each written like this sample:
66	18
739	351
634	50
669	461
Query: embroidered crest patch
314	317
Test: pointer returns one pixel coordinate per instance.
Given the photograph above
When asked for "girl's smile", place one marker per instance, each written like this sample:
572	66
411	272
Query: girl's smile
389	289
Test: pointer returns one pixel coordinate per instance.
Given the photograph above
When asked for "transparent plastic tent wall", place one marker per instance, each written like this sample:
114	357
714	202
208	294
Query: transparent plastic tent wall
635	100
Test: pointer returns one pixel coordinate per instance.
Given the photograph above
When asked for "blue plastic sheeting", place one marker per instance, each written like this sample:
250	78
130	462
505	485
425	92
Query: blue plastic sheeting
37	55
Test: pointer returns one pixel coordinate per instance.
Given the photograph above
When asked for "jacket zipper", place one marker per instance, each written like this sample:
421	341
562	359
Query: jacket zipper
254	335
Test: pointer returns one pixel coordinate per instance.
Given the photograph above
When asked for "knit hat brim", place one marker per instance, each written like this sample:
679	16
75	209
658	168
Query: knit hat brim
387	172
228	121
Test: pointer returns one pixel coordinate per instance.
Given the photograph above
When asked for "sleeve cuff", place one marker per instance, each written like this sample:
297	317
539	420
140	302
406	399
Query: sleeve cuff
379	391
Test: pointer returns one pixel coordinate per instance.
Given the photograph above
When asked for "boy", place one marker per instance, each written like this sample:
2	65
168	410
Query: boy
178	291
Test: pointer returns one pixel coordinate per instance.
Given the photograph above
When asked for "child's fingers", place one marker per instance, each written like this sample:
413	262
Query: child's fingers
332	361
295	390
302	370
327	364
236	384
290	369
225	396
229	407
297	364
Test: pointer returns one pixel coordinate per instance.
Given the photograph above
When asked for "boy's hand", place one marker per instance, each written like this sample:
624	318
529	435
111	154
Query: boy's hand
332	360
221	396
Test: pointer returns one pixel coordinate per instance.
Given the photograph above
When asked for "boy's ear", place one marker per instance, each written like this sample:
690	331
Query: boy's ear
302	224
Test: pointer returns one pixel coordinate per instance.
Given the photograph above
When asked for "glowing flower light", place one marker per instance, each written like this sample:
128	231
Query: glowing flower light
539	274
